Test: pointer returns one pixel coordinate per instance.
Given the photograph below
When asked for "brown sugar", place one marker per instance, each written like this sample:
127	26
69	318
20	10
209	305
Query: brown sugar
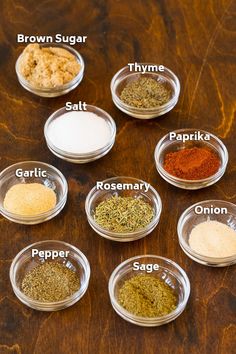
48	67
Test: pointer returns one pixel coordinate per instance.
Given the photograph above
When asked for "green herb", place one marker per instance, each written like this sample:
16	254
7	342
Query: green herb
146	296
50	282
123	214
145	93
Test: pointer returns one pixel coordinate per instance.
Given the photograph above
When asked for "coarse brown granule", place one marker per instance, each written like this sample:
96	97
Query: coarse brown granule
145	92
29	199
147	296
50	282
48	67
192	163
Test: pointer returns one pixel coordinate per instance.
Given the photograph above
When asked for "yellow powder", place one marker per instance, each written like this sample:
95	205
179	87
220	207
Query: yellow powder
48	67
29	199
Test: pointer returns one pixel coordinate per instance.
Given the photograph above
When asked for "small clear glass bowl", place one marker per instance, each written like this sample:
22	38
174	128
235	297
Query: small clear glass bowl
189	219
165	145
23	263
95	197
168	271
54	180
58	90
124	76
82	157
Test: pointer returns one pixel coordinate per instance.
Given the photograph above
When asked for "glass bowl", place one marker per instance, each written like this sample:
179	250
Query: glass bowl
23	262
95	197
53	91
54	180
124	76
82	157
165	145
189	219
168	271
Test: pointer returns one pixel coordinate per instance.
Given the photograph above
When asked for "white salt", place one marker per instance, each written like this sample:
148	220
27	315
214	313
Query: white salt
79	132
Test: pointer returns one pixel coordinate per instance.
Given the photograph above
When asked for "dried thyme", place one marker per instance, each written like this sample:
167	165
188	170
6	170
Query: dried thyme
123	214
146	296
145	92
50	282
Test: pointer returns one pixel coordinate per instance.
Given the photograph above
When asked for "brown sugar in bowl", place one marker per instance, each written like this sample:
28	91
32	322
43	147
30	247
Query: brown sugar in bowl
56	82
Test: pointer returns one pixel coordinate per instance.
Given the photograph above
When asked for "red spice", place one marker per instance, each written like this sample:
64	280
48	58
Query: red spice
194	163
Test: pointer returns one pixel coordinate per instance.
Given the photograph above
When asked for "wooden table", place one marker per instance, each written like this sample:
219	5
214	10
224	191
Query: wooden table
196	40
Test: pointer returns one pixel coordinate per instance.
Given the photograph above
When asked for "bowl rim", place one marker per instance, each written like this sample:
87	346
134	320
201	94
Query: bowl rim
72	155
76	295
15	216
166	318
134	234
60	88
162	171
181	222
167	105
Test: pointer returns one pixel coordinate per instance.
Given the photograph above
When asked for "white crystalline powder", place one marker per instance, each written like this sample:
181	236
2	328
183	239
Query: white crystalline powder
79	132
213	239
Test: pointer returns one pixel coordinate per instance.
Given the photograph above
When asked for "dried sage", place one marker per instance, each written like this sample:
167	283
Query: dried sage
147	296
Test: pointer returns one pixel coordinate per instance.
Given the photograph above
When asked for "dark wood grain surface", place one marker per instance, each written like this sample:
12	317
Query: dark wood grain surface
196	39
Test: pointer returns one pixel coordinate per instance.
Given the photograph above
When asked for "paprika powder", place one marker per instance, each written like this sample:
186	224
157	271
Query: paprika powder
192	163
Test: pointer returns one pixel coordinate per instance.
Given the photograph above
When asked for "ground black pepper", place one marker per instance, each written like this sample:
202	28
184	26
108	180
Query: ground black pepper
50	282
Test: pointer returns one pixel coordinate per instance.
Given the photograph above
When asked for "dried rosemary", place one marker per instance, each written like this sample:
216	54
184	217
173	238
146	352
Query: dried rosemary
146	296
50	282
123	214
145	92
